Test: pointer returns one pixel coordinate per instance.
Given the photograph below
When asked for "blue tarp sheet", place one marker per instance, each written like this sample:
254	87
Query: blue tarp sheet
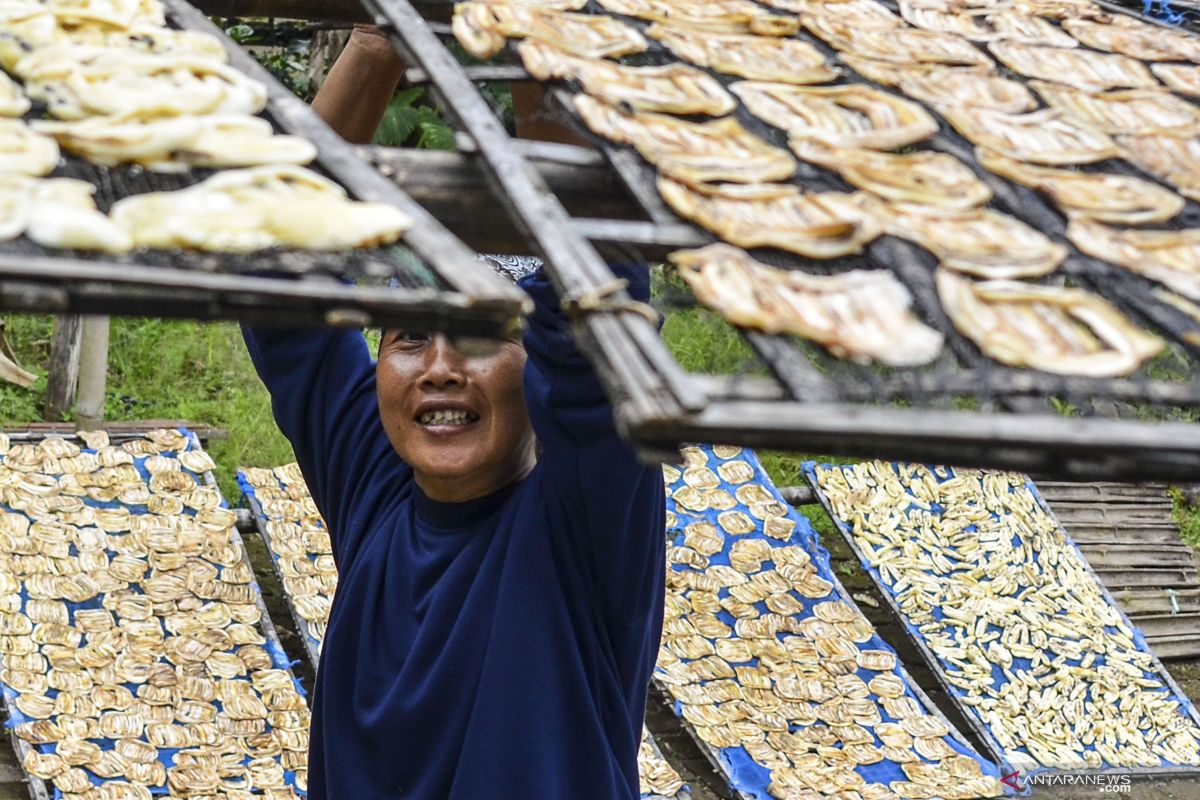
278	656
727	488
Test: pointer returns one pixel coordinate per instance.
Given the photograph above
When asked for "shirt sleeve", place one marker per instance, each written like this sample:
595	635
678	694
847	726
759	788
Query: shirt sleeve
615	502
322	387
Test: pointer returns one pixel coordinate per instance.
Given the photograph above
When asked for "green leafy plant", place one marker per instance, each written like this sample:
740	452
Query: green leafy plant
408	123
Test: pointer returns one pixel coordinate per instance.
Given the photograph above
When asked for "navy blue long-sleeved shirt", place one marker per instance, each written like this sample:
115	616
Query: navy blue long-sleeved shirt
498	648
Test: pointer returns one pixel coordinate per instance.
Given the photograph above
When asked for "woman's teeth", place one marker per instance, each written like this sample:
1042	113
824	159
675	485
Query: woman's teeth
447	417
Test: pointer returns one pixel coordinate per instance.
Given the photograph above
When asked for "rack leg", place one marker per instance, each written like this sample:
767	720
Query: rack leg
64	367
93	373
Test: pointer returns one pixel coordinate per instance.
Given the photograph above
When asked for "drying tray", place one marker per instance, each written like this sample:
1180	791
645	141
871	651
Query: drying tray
254	482
693	486
955	694
42	790
440	286
809	400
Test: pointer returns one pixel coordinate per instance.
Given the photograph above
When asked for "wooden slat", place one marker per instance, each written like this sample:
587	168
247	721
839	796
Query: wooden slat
1129	556
1166	626
1141	578
1141	602
1176	647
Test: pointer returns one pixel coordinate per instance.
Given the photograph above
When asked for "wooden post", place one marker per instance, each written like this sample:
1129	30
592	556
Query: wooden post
93	373
64	367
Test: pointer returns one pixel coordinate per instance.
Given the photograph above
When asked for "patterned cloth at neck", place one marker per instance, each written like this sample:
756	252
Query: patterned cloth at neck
512	267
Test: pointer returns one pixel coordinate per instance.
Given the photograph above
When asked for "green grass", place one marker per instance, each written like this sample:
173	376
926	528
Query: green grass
161	369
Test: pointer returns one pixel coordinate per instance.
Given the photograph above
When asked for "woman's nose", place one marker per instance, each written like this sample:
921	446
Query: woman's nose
443	363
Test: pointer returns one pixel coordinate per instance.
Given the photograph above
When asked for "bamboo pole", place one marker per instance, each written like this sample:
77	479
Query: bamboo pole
93	373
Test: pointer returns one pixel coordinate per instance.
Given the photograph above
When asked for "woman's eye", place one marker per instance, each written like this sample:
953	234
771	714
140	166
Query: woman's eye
411	337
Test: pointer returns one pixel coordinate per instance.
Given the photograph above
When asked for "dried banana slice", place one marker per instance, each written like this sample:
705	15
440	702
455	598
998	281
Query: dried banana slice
1172	159
1107	198
256	208
1060	330
174	144
932	178
482	29
1170	257
149	39
853	115
1125	110
78	81
13	102
1181	78
939	86
902	45
656	776
859	13
1040	137
859	315
975	241
672	89
25	28
755	57
1135	38
554	5
721	150
824	225
63	215
985	25
110	141
890	73
24	151
1063	9
1080	68
716	16
114	13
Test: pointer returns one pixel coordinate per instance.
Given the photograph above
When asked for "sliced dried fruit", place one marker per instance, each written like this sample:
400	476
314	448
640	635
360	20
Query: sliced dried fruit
825	225
1080	68
932	178
1125	110
721	150
24	151
853	115
976	241
252	209
951	86
860	13
1040	137
1108	198
1060	330
1135	38
1170	257
859	315
1182	78
674	88
1172	159
717	16
13	102
173	144
890	73
78	81
902	45
984	25
483	28
1063	9
755	57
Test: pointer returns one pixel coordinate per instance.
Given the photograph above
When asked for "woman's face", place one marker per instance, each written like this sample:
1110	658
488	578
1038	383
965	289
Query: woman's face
458	420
